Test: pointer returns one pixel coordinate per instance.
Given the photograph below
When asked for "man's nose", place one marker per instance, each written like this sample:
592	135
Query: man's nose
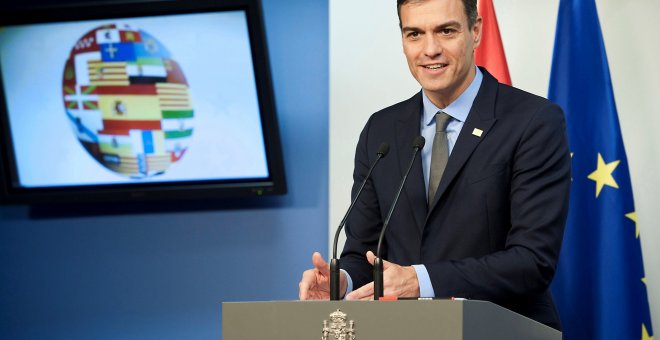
432	46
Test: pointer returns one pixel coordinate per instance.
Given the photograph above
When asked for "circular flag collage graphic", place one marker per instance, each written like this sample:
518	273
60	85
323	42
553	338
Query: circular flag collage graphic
128	101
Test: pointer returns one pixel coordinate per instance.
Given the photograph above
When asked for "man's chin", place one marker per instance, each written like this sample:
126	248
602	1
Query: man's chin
438	89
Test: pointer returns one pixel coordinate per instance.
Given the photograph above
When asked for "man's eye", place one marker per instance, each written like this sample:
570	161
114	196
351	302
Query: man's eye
447	31
413	35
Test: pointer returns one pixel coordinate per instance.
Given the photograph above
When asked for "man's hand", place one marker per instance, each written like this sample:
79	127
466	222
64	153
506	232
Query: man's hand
397	280
315	283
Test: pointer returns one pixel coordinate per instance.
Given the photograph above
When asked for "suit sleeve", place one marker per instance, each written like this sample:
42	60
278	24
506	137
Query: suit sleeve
363	227
539	190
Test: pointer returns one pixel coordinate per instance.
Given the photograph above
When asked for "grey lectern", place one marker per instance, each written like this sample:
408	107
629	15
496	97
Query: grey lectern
377	320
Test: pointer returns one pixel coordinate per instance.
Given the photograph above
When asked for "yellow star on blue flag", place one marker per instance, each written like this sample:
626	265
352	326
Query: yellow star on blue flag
603	174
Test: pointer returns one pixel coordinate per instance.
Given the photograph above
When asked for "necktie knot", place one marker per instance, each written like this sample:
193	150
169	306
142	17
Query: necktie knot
441	121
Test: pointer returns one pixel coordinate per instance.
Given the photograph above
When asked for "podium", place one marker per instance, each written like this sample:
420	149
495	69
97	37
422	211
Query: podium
366	320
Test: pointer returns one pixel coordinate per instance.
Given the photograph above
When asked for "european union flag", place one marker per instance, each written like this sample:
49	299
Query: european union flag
599	285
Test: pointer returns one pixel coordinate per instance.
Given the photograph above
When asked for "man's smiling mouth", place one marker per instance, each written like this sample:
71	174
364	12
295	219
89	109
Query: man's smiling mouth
435	66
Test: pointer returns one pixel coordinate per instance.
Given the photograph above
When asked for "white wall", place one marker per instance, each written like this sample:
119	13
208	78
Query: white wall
368	72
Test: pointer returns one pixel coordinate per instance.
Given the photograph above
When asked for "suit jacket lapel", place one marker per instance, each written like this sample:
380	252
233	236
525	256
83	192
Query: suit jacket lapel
407	128
481	117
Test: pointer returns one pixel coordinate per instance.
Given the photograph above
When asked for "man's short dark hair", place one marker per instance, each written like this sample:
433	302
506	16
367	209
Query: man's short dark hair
470	7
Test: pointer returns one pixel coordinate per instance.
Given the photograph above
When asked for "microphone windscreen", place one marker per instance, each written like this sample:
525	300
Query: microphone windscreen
419	142
383	149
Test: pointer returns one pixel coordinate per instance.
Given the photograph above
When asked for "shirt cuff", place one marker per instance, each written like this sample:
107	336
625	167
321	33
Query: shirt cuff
349	283
425	286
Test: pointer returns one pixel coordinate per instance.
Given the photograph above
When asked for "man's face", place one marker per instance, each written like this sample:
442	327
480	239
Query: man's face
439	46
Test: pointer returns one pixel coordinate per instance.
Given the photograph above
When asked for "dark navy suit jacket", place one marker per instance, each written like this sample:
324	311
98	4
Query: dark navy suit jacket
496	225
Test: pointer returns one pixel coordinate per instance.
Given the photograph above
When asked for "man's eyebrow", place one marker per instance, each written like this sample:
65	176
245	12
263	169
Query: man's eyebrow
452	23
410	29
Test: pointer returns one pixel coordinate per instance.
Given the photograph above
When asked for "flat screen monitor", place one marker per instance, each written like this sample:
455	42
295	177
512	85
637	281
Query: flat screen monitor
137	100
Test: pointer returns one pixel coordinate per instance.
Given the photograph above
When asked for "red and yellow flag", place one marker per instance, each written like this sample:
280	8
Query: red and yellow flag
490	53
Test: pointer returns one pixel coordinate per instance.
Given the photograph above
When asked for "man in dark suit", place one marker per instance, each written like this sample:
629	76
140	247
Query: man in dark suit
493	228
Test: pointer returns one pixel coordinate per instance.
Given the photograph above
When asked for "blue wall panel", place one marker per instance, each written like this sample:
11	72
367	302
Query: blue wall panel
164	275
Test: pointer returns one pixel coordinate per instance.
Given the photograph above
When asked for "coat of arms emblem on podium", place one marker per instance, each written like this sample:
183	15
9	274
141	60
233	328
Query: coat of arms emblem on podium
338	328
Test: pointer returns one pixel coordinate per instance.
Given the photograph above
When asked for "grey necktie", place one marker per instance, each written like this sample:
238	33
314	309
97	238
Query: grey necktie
439	153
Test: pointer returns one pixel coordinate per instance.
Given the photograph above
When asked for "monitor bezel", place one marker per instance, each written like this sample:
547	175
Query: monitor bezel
12	193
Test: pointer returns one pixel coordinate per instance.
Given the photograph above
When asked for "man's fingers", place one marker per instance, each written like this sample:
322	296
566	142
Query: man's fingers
365	292
314	282
302	291
371	257
320	264
306	282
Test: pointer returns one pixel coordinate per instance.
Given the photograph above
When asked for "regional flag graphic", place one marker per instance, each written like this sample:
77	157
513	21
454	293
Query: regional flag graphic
128	101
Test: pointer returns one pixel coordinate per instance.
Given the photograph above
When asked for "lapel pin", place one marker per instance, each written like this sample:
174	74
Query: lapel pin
477	132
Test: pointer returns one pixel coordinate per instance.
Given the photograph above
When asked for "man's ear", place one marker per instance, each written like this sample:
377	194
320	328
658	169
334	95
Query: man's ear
476	31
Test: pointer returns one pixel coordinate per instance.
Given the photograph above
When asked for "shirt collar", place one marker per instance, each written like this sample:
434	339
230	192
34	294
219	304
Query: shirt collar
460	107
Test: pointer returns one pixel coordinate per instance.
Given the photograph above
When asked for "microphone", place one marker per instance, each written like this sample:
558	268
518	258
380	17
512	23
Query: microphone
418	144
383	149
